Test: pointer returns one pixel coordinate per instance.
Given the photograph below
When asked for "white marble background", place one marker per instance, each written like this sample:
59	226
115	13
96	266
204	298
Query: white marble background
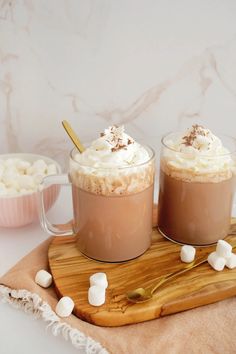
154	65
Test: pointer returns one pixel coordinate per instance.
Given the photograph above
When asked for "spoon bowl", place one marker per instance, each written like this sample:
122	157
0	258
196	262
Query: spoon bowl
139	295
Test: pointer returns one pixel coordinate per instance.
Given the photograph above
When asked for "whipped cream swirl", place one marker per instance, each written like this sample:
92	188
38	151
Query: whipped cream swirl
114	148
114	164
196	154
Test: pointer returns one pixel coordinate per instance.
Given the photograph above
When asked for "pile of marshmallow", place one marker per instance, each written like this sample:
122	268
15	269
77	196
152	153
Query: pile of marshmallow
222	256
65	306
18	176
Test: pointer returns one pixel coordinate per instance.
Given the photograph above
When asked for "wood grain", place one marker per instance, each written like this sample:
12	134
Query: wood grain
201	286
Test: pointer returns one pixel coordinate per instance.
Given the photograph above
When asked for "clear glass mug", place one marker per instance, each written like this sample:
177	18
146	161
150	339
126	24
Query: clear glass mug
112	209
195	205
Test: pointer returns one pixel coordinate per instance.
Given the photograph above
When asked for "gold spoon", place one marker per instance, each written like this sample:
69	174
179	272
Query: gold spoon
140	295
73	136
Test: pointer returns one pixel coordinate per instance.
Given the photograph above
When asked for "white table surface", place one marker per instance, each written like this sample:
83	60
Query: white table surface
20	333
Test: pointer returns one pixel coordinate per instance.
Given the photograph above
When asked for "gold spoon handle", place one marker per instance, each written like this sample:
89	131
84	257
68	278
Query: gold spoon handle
73	136
167	277
188	267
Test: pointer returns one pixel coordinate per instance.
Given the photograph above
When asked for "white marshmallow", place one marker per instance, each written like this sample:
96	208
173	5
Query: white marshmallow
40	166
31	170
38	178
21	177
3	189
223	249
25	191
187	253
231	261
11	191
22	165
9	176
11	162
43	278
216	262
65	306
2	169
14	185
26	182
51	169
99	279
96	295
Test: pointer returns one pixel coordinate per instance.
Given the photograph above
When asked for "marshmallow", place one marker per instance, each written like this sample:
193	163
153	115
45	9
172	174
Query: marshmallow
65	306
231	261
9	176
38	178
2	169
11	162
96	295
31	170
3	189
21	177
51	169
223	249
25	191
187	254
216	262
99	279
43	278
26	182
40	166
11	191
22	165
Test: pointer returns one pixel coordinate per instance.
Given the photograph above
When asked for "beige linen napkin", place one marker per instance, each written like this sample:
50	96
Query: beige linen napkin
208	329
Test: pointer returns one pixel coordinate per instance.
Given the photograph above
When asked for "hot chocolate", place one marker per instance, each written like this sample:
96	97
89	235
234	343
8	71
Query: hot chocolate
196	187
112	190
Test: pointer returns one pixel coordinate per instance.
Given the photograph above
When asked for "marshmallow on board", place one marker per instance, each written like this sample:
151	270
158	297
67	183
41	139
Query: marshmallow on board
99	279
223	249
187	254
216	262
231	261
96	295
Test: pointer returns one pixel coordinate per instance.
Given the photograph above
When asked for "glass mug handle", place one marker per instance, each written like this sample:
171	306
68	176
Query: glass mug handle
52	229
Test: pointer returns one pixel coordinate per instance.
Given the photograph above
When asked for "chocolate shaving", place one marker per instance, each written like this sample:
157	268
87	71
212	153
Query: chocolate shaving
130	142
119	147
102	134
114	138
196	130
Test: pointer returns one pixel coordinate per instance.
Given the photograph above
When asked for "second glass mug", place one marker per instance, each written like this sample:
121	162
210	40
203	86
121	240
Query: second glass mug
195	205
112	208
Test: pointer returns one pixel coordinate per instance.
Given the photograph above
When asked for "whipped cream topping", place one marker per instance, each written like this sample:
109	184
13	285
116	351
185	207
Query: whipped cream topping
114	148
198	152
114	164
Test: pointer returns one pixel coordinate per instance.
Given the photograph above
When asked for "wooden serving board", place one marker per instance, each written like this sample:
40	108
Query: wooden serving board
200	286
